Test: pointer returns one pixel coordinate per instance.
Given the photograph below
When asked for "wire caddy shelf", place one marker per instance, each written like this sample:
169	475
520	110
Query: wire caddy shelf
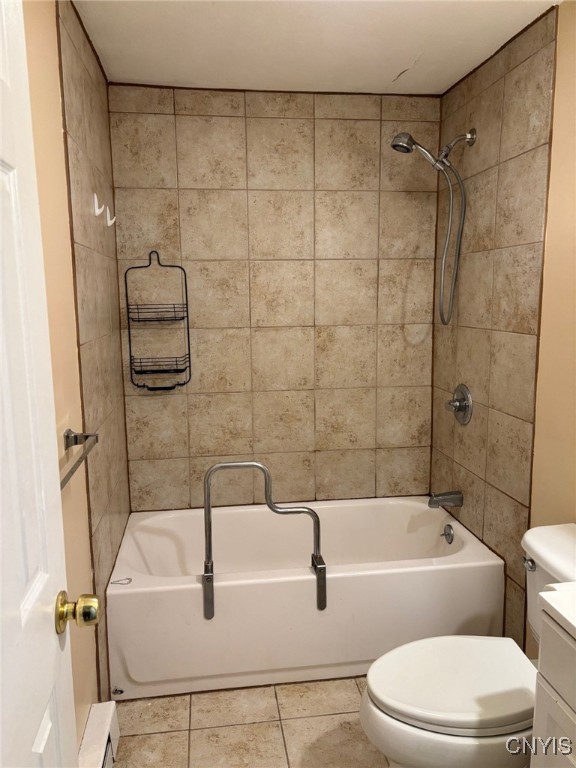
145	313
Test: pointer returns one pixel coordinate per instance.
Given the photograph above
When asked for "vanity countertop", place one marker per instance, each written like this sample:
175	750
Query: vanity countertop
560	603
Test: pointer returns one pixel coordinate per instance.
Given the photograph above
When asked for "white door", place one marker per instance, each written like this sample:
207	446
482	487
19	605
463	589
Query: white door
37	708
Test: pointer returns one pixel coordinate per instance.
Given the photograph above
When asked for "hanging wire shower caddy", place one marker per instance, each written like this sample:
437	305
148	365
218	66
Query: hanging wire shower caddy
148	313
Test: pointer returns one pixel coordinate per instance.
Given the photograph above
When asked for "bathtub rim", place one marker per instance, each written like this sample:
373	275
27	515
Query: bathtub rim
484	556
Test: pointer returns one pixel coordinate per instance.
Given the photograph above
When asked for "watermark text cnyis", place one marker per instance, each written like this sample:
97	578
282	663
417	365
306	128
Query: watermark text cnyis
537	745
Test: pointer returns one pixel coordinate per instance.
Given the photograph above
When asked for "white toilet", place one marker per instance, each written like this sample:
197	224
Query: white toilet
453	702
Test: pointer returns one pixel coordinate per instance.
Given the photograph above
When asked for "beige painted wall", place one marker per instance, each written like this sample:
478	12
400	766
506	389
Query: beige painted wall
41	34
554	473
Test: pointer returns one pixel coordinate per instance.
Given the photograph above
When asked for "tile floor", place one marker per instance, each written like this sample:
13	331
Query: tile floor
300	725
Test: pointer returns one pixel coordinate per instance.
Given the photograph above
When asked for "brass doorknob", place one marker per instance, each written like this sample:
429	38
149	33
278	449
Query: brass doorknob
85	611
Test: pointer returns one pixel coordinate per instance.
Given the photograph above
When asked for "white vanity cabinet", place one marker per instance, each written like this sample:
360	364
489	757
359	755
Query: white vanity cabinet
555	706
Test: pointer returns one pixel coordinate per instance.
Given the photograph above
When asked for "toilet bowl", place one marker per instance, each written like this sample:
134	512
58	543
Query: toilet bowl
427	706
465	701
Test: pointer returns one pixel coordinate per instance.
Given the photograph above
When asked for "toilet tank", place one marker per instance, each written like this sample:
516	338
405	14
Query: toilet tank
553	550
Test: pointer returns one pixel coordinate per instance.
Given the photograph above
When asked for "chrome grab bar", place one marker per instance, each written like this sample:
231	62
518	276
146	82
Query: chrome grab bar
318	564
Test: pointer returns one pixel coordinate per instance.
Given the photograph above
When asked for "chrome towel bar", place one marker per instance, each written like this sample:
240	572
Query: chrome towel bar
87	441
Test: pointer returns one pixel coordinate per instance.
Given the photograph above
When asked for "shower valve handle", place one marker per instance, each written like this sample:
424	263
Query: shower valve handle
461	404
455	405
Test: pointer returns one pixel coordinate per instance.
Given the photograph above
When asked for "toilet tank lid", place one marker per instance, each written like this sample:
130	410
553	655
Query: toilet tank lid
553	547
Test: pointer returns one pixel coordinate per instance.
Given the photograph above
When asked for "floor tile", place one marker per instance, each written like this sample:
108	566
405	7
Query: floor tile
361	683
318	698
169	750
259	745
237	707
336	741
167	713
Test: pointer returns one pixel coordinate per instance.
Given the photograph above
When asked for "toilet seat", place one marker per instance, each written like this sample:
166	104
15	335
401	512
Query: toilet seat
459	685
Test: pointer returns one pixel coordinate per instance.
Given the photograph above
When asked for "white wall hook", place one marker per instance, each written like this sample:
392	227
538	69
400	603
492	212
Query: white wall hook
109	221
98	209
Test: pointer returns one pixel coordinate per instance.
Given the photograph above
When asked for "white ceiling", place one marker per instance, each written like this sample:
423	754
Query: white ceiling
358	46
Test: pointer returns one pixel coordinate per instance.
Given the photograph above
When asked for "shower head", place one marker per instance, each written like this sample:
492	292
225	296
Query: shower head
405	143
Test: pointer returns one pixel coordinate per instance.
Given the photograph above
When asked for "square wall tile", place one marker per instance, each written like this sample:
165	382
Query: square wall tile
411	108
346	225
517	279
229	488
214	224
533	38
505	522
403	417
93	297
283	421
143	150
441	472
281	225
404	355
351	107
407	225
345	356
345	474
293	476
214	709
509	456
282	358
218	294
220	424
214	103
514	612
470	441
136	98
279	104
98	372
444	352
347	154
492	70
513	374
402	471
211	152
408	172
480	211
159	484
280	153
345	418
282	293
522	195
473	362
471	513
484	113
346	292
406	290
475	282
146	220
157	427
442	423
220	360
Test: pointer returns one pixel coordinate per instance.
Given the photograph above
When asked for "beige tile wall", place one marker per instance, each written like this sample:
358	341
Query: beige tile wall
87	136
308	245
491	343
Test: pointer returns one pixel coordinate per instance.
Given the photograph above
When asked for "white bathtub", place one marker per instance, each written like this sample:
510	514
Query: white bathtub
391	578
